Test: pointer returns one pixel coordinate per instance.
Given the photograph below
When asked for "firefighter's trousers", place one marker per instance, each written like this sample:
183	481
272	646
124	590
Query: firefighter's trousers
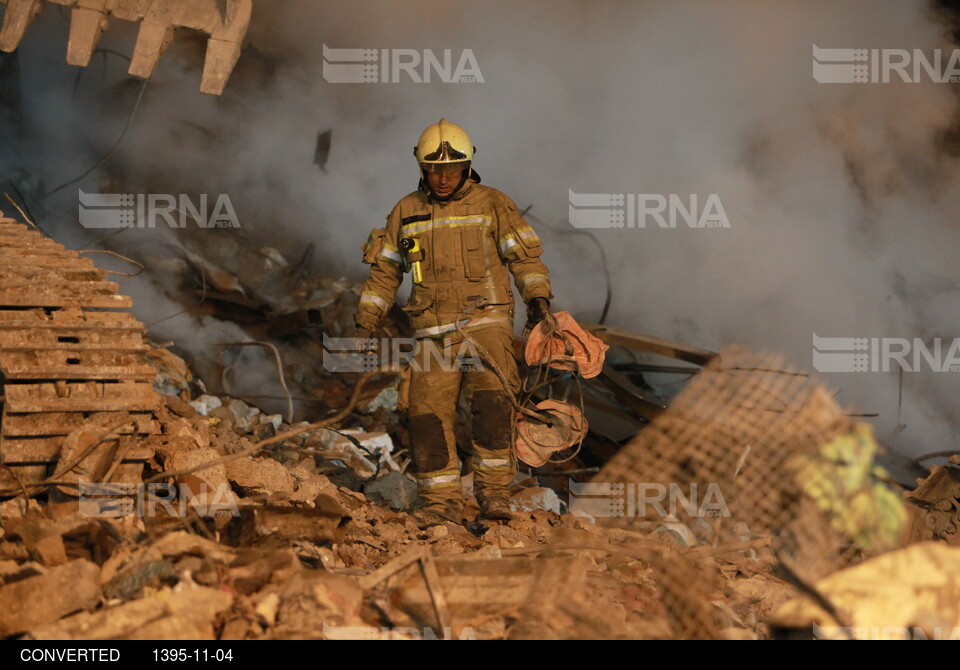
430	390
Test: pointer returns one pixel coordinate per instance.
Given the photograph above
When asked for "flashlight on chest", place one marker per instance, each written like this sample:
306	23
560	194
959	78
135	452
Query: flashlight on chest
414	254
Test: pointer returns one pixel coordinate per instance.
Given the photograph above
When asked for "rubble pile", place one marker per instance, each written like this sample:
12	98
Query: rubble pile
312	537
240	521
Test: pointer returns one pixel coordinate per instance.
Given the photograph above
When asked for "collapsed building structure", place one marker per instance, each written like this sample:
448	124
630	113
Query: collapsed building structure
212	519
141	497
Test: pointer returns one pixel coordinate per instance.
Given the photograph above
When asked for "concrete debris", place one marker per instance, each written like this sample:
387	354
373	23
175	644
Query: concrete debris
165	615
314	600
243	414
534	498
362	451
173	375
396	489
256	523
47	597
385	400
273	256
206	404
260	477
301	555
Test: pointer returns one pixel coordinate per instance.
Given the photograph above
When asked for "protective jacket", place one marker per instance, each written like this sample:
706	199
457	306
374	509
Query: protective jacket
467	245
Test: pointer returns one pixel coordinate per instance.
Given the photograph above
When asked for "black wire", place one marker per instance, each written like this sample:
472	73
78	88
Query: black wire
603	260
107	155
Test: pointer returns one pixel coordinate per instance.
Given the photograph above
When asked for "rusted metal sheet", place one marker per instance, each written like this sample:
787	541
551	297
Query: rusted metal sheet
57	275
72	317
17	250
92	368
20	234
75	364
47	424
41	261
13	339
131	471
26	238
80	397
68	287
47	450
53	298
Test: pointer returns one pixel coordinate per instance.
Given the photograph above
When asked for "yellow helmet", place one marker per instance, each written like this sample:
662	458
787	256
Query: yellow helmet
444	144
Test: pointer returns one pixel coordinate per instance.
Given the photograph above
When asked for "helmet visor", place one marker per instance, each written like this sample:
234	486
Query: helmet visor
452	167
444	154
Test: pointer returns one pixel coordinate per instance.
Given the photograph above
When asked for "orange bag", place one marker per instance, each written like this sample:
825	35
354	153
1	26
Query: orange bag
567	347
537	441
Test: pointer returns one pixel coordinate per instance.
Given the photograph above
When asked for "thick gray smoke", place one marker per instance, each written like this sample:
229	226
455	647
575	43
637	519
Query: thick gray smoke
841	200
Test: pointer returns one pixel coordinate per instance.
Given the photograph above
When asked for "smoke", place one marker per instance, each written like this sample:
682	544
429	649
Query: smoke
841	199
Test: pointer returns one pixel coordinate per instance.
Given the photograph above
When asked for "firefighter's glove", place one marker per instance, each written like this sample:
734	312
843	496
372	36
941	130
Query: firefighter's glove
363	340
537	311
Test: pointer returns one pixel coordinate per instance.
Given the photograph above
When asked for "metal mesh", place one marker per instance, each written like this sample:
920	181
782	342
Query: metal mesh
744	436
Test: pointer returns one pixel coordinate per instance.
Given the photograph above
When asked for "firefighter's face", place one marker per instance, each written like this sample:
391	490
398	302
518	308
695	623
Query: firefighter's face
445	180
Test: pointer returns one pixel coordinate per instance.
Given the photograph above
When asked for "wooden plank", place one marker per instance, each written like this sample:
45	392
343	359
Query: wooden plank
47	450
72	318
13	339
611	409
625	338
82	397
82	364
485	587
63	423
62	298
640	401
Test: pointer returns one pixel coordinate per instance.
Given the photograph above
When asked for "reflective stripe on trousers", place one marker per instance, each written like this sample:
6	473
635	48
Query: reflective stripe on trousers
434	480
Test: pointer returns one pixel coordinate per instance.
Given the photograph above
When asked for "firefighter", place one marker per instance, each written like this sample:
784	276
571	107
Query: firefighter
460	241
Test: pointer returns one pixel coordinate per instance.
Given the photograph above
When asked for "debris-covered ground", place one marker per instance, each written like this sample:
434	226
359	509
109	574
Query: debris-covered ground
232	523
211	518
320	550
